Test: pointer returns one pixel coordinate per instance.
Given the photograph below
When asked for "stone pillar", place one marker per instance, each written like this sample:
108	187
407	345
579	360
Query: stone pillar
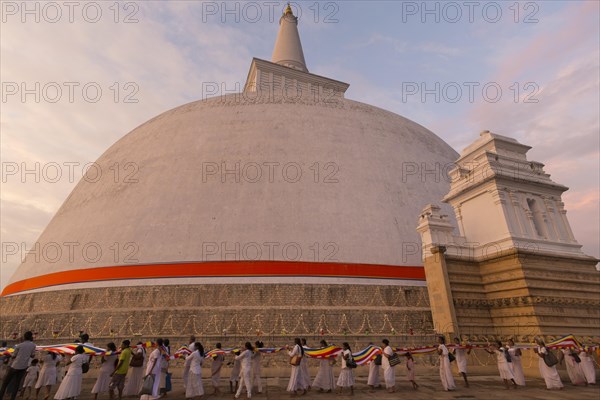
440	294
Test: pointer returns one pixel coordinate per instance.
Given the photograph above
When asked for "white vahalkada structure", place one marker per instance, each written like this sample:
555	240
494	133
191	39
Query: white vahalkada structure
286	208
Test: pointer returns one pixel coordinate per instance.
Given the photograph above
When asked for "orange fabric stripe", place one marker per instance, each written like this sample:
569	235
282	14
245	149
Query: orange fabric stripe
217	269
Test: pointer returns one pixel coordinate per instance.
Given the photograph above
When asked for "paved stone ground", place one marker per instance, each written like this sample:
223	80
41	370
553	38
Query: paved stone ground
485	385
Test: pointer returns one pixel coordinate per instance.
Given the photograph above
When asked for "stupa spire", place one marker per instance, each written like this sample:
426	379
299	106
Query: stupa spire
288	49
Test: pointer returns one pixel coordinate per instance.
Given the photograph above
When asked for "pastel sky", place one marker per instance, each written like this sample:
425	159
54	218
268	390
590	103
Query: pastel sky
549	50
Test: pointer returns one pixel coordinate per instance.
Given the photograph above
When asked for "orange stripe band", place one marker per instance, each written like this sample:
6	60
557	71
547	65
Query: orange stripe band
218	269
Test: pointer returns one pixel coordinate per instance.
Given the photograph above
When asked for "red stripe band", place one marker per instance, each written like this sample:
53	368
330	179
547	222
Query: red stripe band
218	269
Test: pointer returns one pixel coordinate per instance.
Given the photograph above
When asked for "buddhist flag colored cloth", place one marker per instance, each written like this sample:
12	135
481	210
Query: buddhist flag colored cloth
367	354
6	351
183	351
214	352
420	351
270	350
69	349
568	341
325	352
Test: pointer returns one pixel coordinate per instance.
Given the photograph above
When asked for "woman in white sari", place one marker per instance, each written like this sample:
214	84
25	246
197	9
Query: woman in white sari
346	378
503	360
48	375
296	377
461	359
70	386
587	365
517	366
445	371
389	373
106	370
215	370
135	376
304	367
325	381
153	368
194	361
256	366
550	374
569	357
245	358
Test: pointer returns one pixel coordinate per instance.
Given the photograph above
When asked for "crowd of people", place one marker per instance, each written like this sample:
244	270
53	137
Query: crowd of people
130	371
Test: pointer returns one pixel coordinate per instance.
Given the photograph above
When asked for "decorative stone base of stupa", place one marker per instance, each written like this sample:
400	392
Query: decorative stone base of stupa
242	311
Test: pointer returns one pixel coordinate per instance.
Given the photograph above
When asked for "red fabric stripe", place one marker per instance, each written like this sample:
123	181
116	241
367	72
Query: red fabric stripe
217	269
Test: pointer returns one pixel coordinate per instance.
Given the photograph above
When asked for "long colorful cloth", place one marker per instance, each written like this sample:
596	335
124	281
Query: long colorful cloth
361	357
69	349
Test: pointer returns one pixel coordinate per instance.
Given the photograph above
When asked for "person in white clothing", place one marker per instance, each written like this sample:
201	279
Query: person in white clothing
517	367
587	365
373	379
234	378
31	377
215	369
296	380
194	363
389	373
549	374
461	359
503	359
153	368
70	387
325	381
346	378
570	357
135	376
186	370
445	371
256	361
48	374
304	367
107	368
245	358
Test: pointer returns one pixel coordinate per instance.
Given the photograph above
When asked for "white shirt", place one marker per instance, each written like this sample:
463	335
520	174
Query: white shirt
246	358
196	363
345	355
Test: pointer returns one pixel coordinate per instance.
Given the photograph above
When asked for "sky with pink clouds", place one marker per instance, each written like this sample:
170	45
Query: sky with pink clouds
539	62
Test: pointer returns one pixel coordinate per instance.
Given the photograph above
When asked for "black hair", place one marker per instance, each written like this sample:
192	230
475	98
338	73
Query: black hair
323	343
219	345
166	342
442	339
259	344
346	345
248	346
408	355
299	343
159	342
79	350
111	346
303	340
53	354
499	343
28	336
386	342
126	343
85	337
199	348
34	361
